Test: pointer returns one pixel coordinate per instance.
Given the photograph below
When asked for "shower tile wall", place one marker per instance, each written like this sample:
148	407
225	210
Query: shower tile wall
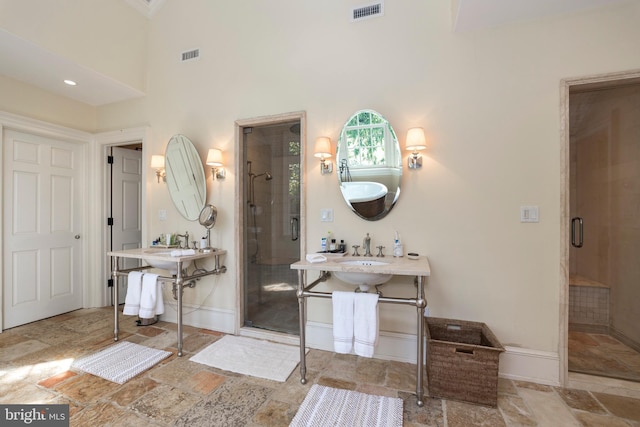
588	305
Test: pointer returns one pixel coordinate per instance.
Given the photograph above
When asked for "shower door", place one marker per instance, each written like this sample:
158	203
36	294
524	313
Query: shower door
271	236
604	338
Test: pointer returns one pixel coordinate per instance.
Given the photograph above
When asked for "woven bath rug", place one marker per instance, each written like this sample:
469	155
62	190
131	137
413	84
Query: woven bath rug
250	356
120	362
327	406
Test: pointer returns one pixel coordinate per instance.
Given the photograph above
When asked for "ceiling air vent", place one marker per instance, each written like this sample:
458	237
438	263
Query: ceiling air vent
366	12
190	55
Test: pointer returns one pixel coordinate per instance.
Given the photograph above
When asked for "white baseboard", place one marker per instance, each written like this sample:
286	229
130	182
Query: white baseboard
216	319
515	363
525	364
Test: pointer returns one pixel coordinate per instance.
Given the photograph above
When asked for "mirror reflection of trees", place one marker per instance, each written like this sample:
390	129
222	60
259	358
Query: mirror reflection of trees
368	152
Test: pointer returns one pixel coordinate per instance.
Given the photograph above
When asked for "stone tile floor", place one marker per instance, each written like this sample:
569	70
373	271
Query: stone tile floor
35	361
603	355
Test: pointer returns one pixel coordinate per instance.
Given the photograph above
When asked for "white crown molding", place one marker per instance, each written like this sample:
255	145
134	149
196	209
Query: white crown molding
147	7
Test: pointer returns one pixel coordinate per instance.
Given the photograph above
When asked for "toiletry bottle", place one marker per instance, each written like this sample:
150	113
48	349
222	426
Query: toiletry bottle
332	246
397	246
324	245
342	247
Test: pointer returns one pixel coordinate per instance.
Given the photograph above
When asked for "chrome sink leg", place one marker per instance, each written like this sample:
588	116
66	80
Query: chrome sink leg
421	303
179	303
302	312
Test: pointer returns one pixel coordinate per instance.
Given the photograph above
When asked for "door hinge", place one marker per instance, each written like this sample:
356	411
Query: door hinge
247	130
109	221
110	160
110	283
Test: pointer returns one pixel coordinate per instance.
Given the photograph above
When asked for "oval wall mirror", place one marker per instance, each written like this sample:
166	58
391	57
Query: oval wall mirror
369	165
185	177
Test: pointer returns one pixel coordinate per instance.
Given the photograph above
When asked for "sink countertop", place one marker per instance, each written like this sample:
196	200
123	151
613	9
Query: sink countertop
401	266
162	254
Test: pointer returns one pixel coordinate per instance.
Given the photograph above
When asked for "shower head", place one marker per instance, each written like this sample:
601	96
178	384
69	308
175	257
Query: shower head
267	176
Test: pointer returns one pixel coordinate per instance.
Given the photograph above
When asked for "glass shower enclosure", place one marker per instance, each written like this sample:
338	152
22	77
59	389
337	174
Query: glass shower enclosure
271	225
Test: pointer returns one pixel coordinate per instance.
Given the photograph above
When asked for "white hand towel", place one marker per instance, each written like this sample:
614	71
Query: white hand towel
313	258
342	321
134	290
149	296
182	252
159	298
365	324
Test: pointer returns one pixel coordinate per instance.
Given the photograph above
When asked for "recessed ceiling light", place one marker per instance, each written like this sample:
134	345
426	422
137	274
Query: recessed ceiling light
70	82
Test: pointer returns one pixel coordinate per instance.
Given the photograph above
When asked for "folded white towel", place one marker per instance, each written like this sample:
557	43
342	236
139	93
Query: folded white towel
342	321
182	252
134	290
313	258
151	302
365	324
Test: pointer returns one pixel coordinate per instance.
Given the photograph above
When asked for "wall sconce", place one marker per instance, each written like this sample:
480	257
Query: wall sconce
214	158
157	163
322	150
416	141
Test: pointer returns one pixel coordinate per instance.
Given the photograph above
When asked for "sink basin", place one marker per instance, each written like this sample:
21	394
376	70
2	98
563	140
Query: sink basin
168	263
359	275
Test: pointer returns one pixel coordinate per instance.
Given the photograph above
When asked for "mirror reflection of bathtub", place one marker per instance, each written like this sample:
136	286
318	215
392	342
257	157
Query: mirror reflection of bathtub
367	198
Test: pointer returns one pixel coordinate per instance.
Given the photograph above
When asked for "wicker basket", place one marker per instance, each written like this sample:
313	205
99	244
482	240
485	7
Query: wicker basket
462	361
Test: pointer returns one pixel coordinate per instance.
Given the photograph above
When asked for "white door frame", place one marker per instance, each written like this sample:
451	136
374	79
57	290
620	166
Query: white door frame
99	203
565	227
40	128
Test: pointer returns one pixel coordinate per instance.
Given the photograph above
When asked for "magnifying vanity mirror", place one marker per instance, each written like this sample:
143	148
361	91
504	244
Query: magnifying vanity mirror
185	176
207	219
369	165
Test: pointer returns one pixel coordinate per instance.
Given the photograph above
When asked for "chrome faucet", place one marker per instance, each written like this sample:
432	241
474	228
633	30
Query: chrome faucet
186	240
366	243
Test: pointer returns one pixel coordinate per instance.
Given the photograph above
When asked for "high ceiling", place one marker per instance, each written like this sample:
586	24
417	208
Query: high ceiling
22	60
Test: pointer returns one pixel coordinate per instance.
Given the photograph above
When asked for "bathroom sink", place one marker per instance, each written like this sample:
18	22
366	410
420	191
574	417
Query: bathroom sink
162	259
358	275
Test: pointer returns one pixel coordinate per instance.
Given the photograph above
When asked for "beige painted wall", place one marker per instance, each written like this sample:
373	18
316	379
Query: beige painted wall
489	101
19	98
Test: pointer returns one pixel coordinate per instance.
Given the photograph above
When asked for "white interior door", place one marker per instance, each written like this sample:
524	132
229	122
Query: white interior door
126	204
43	220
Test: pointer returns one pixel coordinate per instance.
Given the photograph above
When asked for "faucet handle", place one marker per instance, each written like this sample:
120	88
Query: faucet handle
355	250
380	248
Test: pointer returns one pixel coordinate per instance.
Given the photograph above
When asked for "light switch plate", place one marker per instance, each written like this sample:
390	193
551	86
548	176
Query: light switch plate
326	215
529	214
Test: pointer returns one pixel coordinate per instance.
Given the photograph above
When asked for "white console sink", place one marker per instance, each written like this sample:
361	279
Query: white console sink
161	258
355	273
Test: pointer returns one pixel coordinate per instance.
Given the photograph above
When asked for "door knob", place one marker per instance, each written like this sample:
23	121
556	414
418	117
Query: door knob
77	236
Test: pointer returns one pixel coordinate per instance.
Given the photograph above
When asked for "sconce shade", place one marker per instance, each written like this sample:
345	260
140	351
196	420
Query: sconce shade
322	148
157	161
416	140
214	157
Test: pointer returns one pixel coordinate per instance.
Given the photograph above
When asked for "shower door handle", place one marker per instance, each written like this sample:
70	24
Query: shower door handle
295	232
580	232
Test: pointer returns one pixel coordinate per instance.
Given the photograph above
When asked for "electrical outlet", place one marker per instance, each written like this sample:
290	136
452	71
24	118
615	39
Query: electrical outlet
162	215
